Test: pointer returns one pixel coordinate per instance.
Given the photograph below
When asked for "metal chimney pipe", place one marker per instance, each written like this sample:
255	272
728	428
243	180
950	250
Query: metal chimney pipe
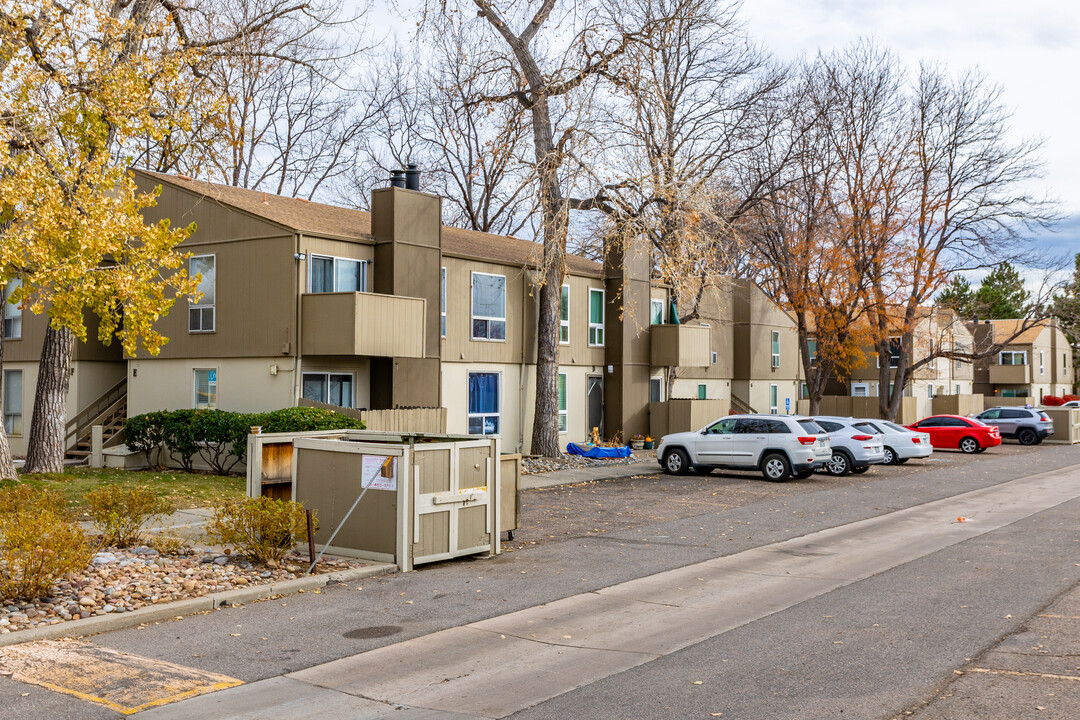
412	176
397	178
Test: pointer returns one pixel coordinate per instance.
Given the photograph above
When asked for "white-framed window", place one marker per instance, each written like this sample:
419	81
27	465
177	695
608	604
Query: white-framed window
442	303
488	307
929	392
657	311
485	403
959	365
656	389
776	348
774	399
702	391
12	312
811	346
1012	357
327	273
957	389
712	357
596	317
206	388
1042	366
563	414
564	316
804	391
201	314
330	388
860	390
13	401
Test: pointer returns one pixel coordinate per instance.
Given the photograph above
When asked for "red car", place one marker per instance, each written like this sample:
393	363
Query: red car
954	431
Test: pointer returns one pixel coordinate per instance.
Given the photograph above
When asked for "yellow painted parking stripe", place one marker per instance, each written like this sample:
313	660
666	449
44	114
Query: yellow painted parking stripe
119	681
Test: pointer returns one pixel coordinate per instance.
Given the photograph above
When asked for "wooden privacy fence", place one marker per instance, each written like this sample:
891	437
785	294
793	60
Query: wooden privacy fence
684	415
958	404
412	420
861	407
1066	425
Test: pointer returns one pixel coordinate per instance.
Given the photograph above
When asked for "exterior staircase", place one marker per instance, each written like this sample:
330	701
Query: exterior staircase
741	407
109	411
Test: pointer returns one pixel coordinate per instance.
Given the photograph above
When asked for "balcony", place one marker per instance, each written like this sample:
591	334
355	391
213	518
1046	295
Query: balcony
1010	374
355	323
681	345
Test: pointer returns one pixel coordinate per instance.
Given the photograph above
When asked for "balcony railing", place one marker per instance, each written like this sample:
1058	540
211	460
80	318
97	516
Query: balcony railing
681	345
1010	374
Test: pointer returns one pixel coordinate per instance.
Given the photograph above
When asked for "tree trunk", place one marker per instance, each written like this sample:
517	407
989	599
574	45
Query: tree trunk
7	465
45	450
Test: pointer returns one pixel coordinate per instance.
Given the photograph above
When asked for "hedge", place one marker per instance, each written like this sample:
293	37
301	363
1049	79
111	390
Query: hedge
217	436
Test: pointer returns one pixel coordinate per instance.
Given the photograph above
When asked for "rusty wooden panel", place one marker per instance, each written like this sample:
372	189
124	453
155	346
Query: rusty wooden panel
277	461
278	491
472	527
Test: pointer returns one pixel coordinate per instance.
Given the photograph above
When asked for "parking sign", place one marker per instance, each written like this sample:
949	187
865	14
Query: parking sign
787	405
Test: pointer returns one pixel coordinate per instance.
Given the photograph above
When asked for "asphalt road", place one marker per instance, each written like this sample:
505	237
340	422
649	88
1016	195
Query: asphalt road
870	649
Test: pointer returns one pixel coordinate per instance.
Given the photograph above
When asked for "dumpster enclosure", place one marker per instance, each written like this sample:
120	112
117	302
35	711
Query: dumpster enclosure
427	498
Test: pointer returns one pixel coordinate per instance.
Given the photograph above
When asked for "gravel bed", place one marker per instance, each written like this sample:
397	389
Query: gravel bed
118	581
533	464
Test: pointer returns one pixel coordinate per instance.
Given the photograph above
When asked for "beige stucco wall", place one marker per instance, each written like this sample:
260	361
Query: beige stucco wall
243	384
715	389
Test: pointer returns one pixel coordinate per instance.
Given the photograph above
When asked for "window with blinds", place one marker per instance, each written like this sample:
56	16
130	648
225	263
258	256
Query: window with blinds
13	393
201	313
205	389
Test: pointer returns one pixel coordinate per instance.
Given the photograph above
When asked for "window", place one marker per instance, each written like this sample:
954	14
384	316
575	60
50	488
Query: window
860	390
657	307
336	274
1042	370
713	357
201	313
866	427
722	427
778	427
1012	357
596	317
442	303
957	389
773	392
702	391
12	313
751	426
488	306
804	392
811	427
1064	362
484	404
776	348
330	388
894	352
205	388
13	393
656	390
811	345
829	426
959	365
564	316
562	403
929	392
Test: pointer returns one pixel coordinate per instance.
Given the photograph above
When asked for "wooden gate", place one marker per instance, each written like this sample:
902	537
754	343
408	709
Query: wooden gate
452	510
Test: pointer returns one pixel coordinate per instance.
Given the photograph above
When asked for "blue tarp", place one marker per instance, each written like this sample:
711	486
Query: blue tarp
595	451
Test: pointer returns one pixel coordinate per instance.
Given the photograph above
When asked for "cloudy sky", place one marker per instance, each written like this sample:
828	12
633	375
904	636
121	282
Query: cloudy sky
1029	47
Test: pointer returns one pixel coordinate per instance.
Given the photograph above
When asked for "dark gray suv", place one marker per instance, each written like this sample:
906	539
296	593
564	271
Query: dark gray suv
1027	425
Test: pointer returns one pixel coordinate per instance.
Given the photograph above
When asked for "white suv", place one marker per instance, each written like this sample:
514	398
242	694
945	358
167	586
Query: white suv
780	446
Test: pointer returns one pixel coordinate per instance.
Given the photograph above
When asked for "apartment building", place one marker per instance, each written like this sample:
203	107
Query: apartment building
391	309
1030	360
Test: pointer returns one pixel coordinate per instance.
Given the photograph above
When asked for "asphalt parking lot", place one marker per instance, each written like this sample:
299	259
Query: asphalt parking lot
608	506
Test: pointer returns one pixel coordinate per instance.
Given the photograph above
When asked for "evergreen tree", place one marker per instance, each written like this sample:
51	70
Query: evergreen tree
1066	307
958	296
1002	295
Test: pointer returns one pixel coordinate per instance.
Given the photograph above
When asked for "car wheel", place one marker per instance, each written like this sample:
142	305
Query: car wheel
676	462
803	475
838	465
860	470
901	461
1027	436
890	456
775	468
969	445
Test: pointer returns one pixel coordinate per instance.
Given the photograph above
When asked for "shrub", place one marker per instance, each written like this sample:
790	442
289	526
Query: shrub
1052	401
1070	398
262	528
18	498
119	513
220	437
38	543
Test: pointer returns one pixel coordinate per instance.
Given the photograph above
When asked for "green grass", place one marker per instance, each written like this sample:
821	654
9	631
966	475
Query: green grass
187	490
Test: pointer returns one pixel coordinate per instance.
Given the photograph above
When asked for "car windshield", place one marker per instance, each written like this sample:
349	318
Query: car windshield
893	426
866	427
811	427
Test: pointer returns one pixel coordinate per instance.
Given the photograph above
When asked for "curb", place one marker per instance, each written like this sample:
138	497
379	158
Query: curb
167	611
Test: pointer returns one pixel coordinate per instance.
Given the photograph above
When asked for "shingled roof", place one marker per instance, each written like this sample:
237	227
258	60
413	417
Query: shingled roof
1005	329
312	218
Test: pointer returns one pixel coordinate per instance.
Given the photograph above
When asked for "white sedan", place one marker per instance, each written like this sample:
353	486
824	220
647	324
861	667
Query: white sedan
901	444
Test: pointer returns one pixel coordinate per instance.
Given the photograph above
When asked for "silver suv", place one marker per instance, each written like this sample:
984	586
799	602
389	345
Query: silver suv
856	445
1028	426
780	446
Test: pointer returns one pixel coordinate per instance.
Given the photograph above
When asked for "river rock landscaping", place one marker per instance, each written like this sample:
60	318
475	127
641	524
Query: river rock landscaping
119	581
534	464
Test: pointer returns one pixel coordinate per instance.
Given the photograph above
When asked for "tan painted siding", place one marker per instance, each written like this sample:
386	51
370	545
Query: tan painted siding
354	323
578	351
681	346
244	384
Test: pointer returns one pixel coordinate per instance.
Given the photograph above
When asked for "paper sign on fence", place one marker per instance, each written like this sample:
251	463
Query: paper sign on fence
383	468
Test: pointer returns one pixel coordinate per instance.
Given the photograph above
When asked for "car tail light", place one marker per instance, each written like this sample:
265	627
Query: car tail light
916	440
808	440
862	438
